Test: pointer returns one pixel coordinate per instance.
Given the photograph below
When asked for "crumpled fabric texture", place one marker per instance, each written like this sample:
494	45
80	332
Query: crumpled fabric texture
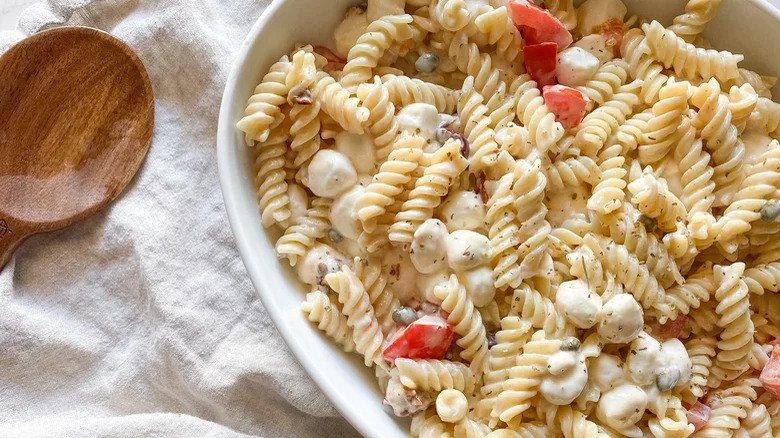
141	321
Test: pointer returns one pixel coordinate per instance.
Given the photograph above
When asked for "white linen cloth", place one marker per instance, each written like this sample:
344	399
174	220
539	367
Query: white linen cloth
141	321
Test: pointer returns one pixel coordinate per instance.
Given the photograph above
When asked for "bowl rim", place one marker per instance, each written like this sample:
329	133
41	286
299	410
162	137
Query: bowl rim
338	397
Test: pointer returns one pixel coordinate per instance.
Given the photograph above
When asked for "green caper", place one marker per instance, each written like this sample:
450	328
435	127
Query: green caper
404	316
666	378
770	211
335	236
650	223
570	344
428	62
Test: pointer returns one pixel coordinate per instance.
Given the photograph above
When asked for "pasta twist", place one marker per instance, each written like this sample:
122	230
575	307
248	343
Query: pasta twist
427	424
696	179
388	184
538	311
641	66
305	132
671	421
263	109
697	289
735	403
760	185
572	172
721	138
501	32
742	102
338	104
757	424
544	131
384	302
504	231
365	54
525	378
328	319
382	123
701	350
761	84
470	61
270	177
564	11
360	315
447	164
404	91
663	128
605	83
654	199
697	14
574	423
467	322
303	235
687	60
597	126
768	116
763	278
435	375
451	15
631	273
509	341
475	121
733	310
303	71
468	428
528	190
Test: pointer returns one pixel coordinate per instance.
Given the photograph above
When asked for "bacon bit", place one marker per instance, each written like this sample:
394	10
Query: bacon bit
698	415
465	149
329	55
481	191
770	375
304	98
672	329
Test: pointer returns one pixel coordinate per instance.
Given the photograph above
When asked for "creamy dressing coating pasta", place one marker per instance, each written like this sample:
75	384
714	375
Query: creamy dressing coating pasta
508	270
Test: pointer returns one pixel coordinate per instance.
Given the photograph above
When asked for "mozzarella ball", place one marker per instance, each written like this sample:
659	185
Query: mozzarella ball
576	66
299	201
675	356
348	31
479	283
593	13
343	213
467	249
359	149
578	304
429	246
309	269
596	45
607	372
622	407
419	118
426	283
379	8
331	173
641	359
621	319
463	210
568	375
451	405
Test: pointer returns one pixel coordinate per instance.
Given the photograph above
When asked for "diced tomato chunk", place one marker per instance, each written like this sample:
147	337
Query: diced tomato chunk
672	328
770	375
566	103
698	415
427	338
546	28
612	31
540	62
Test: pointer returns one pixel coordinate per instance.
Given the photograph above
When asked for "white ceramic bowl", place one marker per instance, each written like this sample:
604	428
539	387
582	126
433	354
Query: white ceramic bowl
745	26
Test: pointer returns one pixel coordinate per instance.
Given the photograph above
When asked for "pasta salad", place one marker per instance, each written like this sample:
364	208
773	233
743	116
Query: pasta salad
533	219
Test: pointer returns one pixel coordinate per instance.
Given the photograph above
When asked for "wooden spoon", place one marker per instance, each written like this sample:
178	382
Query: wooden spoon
76	118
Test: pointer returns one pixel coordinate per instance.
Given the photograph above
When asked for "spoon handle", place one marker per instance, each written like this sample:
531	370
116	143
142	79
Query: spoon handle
12	235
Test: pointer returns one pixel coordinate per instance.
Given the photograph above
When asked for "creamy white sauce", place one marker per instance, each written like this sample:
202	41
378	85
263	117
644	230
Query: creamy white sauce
596	45
566	378
463	210
578	303
401	274
592	13
671	172
647	356
359	149
379	8
429	246
756	143
479	282
348	31
566	204
299	201
427	282
424	120
344	213
308	267
621	408
606	371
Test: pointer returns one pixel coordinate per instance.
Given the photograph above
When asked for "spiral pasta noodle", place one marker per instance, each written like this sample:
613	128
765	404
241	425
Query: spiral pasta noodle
697	14
336	101
263	108
702	352
328	318
606	82
475	118
404	91
641	65
597	126
301	237
434	375
270	177
733	310
544	131
653	198
382	299
735	403
662	129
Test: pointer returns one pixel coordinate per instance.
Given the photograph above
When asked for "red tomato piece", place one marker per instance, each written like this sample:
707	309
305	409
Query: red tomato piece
698	415
546	28
770	375
612	31
427	338
672	329
566	103
540	62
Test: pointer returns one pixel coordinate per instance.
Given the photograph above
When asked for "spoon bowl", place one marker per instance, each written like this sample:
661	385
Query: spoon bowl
76	119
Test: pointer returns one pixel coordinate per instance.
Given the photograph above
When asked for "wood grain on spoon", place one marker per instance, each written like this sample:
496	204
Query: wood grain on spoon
76	118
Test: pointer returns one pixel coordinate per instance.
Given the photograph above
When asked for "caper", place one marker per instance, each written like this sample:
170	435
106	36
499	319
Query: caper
666	378
770	211
570	344
427	63
404	315
650	223
335	236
